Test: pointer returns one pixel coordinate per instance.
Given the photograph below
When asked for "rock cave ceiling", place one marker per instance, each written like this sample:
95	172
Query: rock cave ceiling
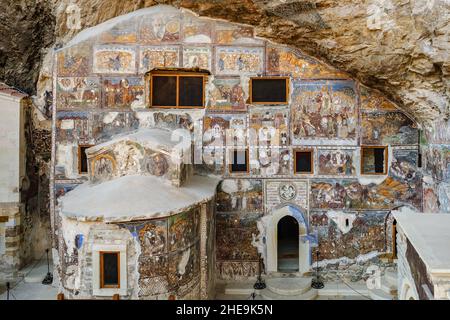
400	47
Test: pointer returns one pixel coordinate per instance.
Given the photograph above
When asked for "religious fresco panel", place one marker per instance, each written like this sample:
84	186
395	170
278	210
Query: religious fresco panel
337	162
270	162
184	266
367	234
226	94
197	57
220	128
372	100
237	270
289	61
324	110
125	32
106	124
78	93
431	203
171	121
114	59
153	237
183	229
162	27
73	126
235	34
239	195
237	61
393	128
270	127
121	92
74	62
197	30
437	162
234	236
151	57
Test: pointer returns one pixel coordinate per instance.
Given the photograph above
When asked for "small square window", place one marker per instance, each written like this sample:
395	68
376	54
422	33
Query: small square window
82	159
373	160
303	162
239	161
269	90
109	269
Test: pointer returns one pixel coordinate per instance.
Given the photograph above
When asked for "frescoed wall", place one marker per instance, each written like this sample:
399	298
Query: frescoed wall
102	90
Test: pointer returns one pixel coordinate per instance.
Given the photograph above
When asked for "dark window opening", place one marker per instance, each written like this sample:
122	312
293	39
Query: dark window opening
82	159
239	161
177	90
373	160
288	244
164	91
191	91
394	239
110	269
303	162
346	222
269	90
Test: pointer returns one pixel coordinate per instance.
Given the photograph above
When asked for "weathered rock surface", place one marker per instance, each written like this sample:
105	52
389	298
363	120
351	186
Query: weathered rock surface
398	46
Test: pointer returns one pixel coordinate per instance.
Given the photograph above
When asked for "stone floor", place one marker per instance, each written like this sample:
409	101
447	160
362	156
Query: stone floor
28	285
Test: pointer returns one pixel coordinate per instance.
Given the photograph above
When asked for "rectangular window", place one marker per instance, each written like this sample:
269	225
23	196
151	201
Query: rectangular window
180	90
239	161
110	269
373	160
269	90
303	161
82	159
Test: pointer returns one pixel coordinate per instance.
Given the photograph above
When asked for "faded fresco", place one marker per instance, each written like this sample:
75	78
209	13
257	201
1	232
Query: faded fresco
161	28
235	34
197	57
221	128
74	62
271	128
324	109
240	195
78	93
337	162
114	59
392	128
270	162
289	61
158	57
226	94
236	61
196	30
122	92
73	126
372	100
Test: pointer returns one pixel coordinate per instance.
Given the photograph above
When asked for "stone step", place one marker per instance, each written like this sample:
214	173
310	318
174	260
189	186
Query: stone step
353	289
378	294
268	294
239	288
289	286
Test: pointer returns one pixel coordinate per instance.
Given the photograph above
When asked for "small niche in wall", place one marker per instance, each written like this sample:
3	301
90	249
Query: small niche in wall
239	161
109	269
374	160
303	162
82	159
269	90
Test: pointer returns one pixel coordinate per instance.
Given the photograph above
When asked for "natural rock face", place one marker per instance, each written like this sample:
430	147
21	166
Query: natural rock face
398	46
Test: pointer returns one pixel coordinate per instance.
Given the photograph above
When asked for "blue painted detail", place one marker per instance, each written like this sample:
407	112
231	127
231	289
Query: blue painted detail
79	240
298	214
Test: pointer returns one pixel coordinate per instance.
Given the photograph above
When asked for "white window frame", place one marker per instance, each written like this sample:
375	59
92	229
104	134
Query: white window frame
97	290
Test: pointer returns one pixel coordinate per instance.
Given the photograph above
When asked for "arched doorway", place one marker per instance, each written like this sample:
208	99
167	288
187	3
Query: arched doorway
288	244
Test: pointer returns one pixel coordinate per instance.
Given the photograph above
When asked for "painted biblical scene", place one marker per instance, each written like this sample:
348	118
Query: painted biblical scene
163	27
114	59
270	128
107	124
372	100
197	57
437	162
158	57
220	129
234	236
393	128
184	266
337	162
289	61
324	110
73	126
237	61
336	240
125	32
121	92
197	30
235	34
78	93
350	194
244	195
183	230
226	94
75	62
270	162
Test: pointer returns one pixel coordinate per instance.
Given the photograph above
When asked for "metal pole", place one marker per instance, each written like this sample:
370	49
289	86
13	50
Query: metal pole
7	291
